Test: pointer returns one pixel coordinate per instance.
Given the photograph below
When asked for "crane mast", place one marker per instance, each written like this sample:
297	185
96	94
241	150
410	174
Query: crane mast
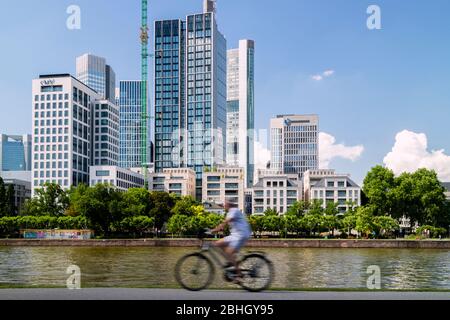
144	90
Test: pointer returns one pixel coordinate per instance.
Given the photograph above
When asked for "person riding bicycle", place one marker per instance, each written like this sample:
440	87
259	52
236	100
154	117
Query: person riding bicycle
240	232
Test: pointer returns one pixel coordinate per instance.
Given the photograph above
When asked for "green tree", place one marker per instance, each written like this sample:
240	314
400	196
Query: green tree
10	207
162	204
49	200
185	206
2	198
384	225
365	221
378	186
101	205
270	212
136	202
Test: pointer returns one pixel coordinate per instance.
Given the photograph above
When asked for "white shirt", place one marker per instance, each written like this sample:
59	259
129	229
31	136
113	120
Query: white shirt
239	224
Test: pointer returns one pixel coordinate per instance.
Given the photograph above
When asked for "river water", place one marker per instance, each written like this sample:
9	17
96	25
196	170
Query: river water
294	268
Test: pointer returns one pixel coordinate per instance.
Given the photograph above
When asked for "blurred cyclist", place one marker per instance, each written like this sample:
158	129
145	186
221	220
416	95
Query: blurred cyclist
240	232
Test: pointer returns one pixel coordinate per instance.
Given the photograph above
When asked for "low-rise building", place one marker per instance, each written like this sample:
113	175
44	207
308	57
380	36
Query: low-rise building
180	181
224	184
276	191
121	178
328	187
22	192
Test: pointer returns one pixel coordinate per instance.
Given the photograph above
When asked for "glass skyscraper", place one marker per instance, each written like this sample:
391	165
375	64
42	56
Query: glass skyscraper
130	104
15	153
190	93
95	73
241	108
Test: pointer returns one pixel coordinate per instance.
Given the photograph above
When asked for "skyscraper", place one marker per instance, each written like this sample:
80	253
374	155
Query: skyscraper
62	130
190	93
15	152
295	143
241	108
95	73
130	104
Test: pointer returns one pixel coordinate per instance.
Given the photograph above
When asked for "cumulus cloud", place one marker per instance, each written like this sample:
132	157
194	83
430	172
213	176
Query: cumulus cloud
410	153
262	156
329	150
323	75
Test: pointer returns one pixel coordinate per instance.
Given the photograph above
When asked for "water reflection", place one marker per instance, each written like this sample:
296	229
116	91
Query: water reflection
295	268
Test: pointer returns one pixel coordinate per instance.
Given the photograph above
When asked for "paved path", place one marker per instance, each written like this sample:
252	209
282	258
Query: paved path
175	294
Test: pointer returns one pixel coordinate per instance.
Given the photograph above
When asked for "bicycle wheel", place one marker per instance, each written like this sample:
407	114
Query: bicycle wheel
257	272
194	272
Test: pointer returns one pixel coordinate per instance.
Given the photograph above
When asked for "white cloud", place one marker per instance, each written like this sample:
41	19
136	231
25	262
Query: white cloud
410	153
329	150
262	156
325	74
328	73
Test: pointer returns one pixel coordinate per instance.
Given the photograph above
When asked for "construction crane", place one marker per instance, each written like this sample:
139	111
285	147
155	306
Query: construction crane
144	90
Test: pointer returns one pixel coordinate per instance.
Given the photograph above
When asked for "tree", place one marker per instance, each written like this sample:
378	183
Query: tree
364	220
185	206
330	219
313	217
385	225
101	205
50	200
297	209
162	204
10	205
377	187
2	198
136	202
271	212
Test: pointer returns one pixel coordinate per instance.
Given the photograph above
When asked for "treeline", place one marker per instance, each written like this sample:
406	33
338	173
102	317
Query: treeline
107	211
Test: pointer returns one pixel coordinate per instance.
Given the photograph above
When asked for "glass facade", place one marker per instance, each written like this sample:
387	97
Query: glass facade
15	153
130	104
190	94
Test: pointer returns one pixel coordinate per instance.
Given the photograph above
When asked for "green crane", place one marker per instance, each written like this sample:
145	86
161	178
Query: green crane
144	89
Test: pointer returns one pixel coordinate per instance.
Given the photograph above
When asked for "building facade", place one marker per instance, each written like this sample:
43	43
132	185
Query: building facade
180	181
241	108
22	192
131	130
121	178
190	93
295	143
328	187
15	152
62	130
96	74
224	184
106	133
276	191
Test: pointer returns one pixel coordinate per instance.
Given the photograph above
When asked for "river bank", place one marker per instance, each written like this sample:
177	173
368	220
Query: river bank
254	243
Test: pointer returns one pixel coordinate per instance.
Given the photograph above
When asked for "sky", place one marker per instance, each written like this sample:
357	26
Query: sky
383	96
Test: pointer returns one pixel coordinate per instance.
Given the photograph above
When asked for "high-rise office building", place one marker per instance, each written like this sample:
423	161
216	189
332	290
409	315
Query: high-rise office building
62	130
95	73
190	93
105	140
130	105
241	108
15	152
295	143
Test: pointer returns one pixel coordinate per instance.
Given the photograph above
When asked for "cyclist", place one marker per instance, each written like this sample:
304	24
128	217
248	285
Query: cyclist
239	235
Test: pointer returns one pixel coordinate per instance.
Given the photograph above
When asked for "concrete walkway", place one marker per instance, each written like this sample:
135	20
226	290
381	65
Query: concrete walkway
176	294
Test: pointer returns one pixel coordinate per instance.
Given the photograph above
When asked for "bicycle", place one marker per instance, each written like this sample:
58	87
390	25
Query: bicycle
195	271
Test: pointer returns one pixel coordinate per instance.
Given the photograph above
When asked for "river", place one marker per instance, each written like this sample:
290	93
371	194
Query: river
294	268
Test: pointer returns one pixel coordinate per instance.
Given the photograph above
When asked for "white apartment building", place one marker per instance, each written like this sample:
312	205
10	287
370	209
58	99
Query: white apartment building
224	184
106	137
180	181
327	186
121	178
295	143
276	191
241	108
62	130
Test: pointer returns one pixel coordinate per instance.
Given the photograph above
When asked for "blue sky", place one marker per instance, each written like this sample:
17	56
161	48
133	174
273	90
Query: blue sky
385	81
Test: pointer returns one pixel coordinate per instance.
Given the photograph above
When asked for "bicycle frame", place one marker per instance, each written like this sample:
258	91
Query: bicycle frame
214	252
